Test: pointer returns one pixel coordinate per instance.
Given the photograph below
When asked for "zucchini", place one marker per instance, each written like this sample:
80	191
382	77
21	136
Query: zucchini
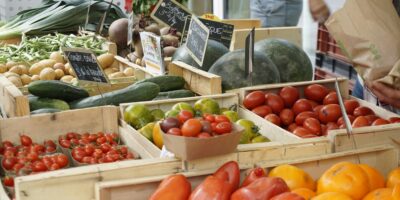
166	83
45	110
133	93
57	90
36	103
175	94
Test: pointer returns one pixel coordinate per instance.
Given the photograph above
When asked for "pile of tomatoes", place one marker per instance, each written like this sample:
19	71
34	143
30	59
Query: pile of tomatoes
30	158
95	148
185	124
313	115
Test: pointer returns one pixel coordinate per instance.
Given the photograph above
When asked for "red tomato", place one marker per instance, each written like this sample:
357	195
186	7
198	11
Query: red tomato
371	118
204	135
38	166
363	111
8	181
350	105
289	95
9	162
89	149
191	128
273	118
86	159
394	120
72	136
17	167
303	116
291	127
184	115
175	131
313	103
301	105
340	121
316	109
7	143
262	111
92	137
223	127
32	156
206	126
100	140
54	166
65	143
231	168
78	154
173	187
360	121
313	125
49	143
98	153
316	92
47	161
275	102
254	174
254	99
331	98
104	147
324	129
330	113
380	121
302	132
25	140
50	149
287	196
221	118
287	116
209	117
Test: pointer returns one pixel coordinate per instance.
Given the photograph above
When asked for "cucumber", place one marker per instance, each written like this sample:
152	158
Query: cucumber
133	93
166	83
45	110
175	94
36	103
57	90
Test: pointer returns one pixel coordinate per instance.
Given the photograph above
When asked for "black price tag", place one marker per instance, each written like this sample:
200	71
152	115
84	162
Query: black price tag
249	55
171	13
85	65
197	39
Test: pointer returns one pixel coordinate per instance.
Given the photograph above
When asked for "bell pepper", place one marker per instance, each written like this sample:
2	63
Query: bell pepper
254	174
175	187
261	189
233	171
213	188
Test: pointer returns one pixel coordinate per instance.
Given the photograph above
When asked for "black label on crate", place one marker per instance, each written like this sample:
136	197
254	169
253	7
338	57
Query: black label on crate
171	13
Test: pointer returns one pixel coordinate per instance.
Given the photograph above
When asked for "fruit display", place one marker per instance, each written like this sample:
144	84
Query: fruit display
203	119
313	114
343	180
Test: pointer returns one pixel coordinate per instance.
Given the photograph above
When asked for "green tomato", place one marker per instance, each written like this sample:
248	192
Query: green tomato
147	131
138	115
158	114
183	106
232	115
207	105
260	139
172	113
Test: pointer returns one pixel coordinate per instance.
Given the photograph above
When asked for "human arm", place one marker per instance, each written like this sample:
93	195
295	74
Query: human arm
319	10
385	93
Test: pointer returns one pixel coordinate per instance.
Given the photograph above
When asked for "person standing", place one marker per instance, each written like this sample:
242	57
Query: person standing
276	13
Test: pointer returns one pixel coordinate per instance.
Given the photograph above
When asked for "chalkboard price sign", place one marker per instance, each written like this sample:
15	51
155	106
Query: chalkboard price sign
197	39
171	13
85	65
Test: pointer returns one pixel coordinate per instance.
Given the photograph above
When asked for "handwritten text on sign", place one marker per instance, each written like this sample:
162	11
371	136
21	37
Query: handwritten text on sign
171	13
197	39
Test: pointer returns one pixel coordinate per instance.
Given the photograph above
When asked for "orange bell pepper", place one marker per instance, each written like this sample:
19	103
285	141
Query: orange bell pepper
175	187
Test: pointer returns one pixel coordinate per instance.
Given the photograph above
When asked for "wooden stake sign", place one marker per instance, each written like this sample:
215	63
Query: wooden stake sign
152	51
197	40
170	13
84	64
249	55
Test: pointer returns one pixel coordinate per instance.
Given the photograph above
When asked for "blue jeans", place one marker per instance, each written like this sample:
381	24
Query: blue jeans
276	13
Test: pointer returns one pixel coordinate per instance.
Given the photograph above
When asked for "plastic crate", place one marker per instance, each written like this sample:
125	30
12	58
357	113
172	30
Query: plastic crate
327	45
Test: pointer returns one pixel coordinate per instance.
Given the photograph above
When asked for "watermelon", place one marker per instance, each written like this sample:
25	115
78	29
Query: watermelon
292	62
214	50
231	67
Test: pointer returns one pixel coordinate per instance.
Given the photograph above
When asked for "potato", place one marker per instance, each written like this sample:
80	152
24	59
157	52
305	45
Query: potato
8	74
26	79
67	67
169	51
115	64
10	64
116	75
74	81
71	72
59	66
153	28
105	60
56	56
138	61
59	73
165	30
170	40
35	78
67	79
39	66
25	69
47	74
16	81
109	71
16	69
129	71
3	68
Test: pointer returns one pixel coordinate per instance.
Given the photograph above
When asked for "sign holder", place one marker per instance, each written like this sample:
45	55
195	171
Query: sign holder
152	50
249	55
170	13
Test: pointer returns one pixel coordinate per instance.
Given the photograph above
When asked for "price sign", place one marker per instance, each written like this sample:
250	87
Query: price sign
220	32
85	65
171	13
152	51
197	39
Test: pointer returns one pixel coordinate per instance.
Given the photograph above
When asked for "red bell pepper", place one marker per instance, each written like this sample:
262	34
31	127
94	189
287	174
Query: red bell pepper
261	189
254	174
175	187
233	171
288	196
213	188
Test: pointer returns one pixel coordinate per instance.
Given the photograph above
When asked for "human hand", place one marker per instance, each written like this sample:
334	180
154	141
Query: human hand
385	93
319	11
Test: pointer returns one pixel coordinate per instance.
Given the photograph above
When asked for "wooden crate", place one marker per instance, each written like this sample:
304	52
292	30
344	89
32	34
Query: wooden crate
12	101
197	80
281	145
362	137
292	34
243	23
69	181
383	159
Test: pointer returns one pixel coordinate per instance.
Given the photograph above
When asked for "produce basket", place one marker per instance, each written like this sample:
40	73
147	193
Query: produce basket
282	146
51	126
292	34
13	101
382	158
362	136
